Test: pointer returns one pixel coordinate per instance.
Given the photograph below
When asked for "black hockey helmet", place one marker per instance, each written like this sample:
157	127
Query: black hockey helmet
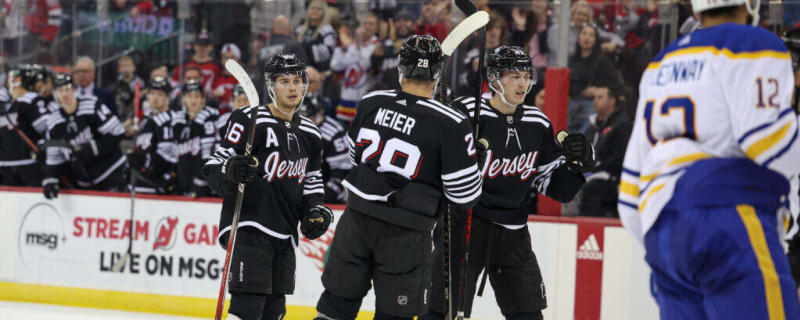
791	38
513	58
421	58
284	64
62	79
237	90
159	83
193	85
508	58
29	75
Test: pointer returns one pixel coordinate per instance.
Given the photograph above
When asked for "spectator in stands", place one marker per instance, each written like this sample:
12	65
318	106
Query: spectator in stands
84	72
581	15
125	89
609	132
527	31
202	59
86	161
430	22
43	19
589	67
224	83
393	34
352	60
280	42
317	37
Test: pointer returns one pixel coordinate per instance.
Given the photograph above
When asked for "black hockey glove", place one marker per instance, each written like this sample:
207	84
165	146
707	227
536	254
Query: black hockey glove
240	169
579	152
316	221
50	188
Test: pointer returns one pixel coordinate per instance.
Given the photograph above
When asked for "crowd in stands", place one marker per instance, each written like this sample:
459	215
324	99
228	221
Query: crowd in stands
349	52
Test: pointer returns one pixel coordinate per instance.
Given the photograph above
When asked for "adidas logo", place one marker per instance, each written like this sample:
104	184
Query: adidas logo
590	250
403	102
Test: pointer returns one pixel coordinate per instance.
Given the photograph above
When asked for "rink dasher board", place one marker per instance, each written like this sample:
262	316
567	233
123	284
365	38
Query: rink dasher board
61	251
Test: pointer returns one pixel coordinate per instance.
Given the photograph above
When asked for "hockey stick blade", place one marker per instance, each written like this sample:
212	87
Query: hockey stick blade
465	28
244	79
466	6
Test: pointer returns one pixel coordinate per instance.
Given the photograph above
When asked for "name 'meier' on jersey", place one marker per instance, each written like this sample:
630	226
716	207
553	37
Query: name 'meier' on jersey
407	138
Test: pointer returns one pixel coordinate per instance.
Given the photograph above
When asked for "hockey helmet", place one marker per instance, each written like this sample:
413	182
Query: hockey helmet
284	64
159	83
310	107
421	58
698	6
62	79
508	58
29	75
192	86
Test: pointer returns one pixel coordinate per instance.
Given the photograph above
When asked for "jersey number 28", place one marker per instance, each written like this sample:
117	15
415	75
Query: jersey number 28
391	152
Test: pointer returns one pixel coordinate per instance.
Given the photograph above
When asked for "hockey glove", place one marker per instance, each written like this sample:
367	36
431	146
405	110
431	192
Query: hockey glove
50	188
316	221
579	152
240	169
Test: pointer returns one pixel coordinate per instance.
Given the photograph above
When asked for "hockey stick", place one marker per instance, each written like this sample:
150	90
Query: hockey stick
469	8
117	267
463	30
252	97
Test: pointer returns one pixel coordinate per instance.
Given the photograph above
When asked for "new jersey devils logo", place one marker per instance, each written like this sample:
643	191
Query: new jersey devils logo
317	249
166	233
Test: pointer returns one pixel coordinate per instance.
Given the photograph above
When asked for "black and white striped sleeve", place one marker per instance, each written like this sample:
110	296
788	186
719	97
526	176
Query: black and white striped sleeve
461	177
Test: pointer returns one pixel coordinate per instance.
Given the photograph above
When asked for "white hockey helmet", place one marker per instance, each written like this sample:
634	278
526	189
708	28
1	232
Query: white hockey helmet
699	6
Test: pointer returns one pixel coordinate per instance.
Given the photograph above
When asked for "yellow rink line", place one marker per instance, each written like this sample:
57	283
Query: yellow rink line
133	301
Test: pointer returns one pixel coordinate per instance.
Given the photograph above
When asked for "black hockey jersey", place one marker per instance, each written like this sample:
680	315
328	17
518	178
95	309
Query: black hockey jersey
29	114
156	154
407	138
319	43
336	162
290	159
522	153
92	125
196	139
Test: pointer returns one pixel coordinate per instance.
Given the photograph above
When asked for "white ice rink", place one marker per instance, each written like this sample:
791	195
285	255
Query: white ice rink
36	311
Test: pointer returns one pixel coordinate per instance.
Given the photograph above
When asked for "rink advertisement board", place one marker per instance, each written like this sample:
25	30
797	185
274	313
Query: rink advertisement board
61	251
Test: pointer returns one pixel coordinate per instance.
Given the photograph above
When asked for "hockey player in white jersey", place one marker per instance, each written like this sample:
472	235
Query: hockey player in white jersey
704	179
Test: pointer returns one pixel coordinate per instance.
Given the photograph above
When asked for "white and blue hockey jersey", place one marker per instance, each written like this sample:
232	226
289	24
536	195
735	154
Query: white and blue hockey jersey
720	92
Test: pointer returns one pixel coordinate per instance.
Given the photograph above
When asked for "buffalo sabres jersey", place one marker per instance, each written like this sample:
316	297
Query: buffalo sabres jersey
720	92
411	138
336	159
28	113
195	139
522	154
289	181
156	152
92	125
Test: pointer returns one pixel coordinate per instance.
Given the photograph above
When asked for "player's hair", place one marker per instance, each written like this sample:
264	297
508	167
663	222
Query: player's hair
190	68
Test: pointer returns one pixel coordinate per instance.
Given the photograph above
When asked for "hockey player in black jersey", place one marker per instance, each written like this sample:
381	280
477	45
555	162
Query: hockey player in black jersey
196	132
522	153
156	154
22	128
410	153
336	158
83	144
283	188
